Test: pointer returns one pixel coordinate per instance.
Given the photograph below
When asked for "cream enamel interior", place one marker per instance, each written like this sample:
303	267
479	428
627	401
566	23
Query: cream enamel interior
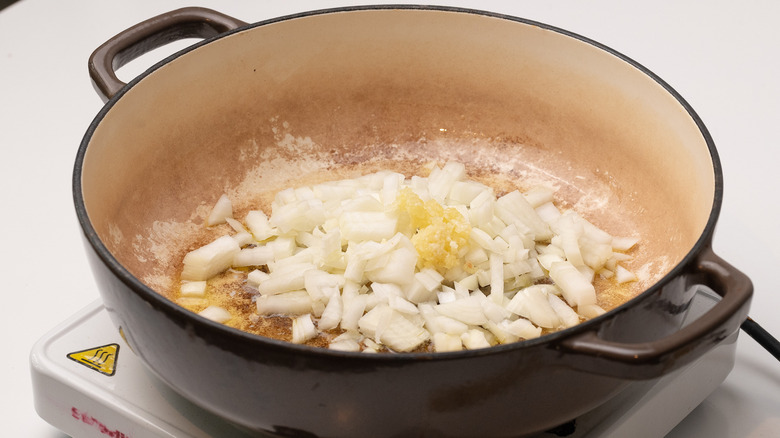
340	94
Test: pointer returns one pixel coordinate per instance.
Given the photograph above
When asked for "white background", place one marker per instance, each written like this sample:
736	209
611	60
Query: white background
722	56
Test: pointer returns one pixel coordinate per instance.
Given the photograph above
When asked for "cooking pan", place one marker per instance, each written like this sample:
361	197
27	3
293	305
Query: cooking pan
256	108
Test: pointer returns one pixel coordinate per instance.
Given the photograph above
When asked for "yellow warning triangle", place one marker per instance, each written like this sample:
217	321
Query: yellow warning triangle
101	359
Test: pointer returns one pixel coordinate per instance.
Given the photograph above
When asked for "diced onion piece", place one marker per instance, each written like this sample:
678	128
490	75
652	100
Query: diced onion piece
503	335
331	316
466	310
222	210
399	267
401	334
474	339
446	342
255	256
429	278
370	346
290	303
523	328
358	226
445	324
209	260
547	260
481	208
496	278
595	254
417	293
624	243
469	283
281	282
605	273
319	284
569	230
244	238
567	315
372	322
353	311
513	208
344	345
367	202
237	226
593	232
193	288
493	311
532	303
400	304
463	192
478	255
440	182
283	247
303	329
483	239
623	275
256	277
539	195
437	323
590	311
383	291
446	295
258	225
577	290
548	212
216	314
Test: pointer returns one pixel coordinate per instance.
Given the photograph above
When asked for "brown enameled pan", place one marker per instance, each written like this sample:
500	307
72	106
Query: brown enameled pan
255	108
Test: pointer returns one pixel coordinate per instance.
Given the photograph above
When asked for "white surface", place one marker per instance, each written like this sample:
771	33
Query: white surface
721	56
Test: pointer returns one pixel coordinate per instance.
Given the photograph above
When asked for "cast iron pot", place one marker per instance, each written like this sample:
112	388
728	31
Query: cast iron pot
256	108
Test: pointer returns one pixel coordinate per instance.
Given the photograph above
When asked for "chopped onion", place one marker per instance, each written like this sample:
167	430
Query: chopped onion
590	311
360	226
283	281
290	303
363	257
209	260
523	328
566	314
513	208
216	314
623	275
258	225
193	288
503	335
539	195
303	329
331	316
532	303
256	277
577	290
222	210
447	342
474	339
624	243
466	310
255	256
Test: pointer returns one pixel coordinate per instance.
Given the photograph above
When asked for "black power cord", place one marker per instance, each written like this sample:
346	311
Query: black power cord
763	337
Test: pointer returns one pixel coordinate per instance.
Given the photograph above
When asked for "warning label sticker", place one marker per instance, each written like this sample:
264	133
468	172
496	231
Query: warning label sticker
102	359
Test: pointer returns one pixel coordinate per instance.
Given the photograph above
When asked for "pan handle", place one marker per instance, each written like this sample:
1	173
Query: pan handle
192	22
652	359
